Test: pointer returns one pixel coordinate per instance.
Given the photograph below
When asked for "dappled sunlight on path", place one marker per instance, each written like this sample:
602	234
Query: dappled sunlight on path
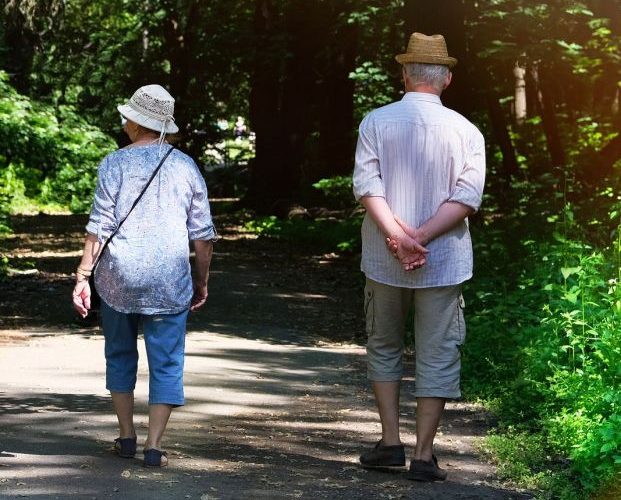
278	405
262	419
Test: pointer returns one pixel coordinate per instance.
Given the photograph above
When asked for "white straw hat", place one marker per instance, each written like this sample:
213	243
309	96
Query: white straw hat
152	107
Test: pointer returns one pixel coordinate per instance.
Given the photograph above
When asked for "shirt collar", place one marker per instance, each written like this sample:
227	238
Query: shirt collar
422	96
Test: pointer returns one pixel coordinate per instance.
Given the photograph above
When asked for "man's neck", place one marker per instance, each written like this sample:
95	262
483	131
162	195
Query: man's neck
426	89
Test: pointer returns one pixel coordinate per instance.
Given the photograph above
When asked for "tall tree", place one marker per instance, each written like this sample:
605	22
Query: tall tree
25	25
270	179
301	102
336	88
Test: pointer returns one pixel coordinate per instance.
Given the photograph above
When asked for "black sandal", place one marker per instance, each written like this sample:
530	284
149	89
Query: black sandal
153	458
125	447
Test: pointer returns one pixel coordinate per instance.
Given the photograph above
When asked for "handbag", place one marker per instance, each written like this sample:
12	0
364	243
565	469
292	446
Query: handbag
95	297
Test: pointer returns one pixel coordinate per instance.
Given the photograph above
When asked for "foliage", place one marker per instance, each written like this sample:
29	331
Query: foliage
93	55
545	348
338	189
321	234
48	154
373	88
226	161
523	458
544	331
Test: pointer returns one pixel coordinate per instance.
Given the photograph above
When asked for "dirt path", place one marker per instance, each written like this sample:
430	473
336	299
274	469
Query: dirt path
274	408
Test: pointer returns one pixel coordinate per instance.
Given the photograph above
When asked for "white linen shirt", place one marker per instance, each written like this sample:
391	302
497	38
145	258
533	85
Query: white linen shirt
417	154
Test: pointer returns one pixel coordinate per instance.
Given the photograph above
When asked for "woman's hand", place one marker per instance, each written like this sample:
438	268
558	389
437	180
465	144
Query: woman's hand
200	296
82	297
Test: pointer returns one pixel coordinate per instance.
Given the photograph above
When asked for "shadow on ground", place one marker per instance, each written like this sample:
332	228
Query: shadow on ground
258	288
262	419
275	407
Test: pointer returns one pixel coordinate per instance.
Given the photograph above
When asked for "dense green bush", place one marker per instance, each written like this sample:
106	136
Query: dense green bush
545	350
47	155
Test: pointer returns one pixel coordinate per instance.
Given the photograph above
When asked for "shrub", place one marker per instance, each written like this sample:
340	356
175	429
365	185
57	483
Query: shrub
338	190
325	235
545	350
48	155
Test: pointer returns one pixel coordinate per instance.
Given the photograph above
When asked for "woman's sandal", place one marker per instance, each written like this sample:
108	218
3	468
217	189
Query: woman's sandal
153	458
125	447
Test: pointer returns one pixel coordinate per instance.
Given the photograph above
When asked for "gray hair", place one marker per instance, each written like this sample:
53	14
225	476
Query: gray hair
434	75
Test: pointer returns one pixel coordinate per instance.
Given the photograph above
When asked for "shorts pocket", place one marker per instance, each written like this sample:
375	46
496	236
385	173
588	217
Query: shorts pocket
458	329
369	310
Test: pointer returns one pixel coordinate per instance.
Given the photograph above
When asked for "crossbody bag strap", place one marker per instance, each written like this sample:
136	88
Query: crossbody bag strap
132	208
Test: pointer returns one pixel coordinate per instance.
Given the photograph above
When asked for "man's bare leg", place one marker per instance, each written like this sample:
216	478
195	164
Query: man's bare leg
387	400
428	414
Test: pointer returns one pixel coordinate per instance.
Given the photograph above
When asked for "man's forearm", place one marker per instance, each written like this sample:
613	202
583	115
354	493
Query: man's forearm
381	214
203	250
449	215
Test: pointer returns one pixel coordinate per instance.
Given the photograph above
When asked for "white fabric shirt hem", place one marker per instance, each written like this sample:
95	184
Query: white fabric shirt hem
414	286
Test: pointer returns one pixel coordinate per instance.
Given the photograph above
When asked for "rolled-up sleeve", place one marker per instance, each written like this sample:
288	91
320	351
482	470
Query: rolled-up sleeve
367	179
102	221
469	187
200	224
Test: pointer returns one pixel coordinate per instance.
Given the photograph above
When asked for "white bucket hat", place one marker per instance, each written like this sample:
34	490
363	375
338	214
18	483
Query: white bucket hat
152	107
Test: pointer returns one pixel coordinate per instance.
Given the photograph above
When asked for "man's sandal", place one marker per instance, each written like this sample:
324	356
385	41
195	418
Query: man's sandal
383	457
153	458
125	447
421	470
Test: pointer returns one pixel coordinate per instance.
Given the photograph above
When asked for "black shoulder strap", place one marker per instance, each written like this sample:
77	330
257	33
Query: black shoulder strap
133	206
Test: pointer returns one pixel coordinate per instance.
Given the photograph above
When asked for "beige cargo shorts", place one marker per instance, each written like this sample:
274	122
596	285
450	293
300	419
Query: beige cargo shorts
439	332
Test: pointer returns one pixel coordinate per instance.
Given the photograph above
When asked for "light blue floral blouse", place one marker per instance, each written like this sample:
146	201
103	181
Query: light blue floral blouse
146	267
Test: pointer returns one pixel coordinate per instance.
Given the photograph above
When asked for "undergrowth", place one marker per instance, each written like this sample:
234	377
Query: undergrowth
544	350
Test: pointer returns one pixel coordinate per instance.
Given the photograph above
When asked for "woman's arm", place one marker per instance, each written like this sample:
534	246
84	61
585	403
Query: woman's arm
82	291
203	250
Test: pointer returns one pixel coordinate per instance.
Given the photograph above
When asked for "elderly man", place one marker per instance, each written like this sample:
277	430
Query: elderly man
420	170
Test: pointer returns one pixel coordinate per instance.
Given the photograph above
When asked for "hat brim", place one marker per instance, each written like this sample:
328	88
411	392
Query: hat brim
421	59
147	122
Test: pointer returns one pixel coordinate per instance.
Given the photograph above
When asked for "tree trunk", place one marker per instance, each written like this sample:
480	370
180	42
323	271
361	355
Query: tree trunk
336	100
520	94
608	156
501	132
268	175
20	46
548	116
284	102
180	33
616	109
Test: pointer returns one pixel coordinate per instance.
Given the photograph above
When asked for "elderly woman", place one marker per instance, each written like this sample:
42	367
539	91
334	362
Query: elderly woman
144	275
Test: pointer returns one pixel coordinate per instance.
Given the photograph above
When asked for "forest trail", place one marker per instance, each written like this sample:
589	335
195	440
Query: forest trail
278	405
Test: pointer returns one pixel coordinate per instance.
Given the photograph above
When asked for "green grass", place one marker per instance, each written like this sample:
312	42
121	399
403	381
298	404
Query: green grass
322	234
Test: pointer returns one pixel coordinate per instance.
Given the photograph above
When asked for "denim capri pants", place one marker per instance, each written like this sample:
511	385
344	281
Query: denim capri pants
164	336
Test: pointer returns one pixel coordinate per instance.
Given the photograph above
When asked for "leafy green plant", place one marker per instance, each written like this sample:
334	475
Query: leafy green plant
48	155
373	88
545	352
337	189
326	235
